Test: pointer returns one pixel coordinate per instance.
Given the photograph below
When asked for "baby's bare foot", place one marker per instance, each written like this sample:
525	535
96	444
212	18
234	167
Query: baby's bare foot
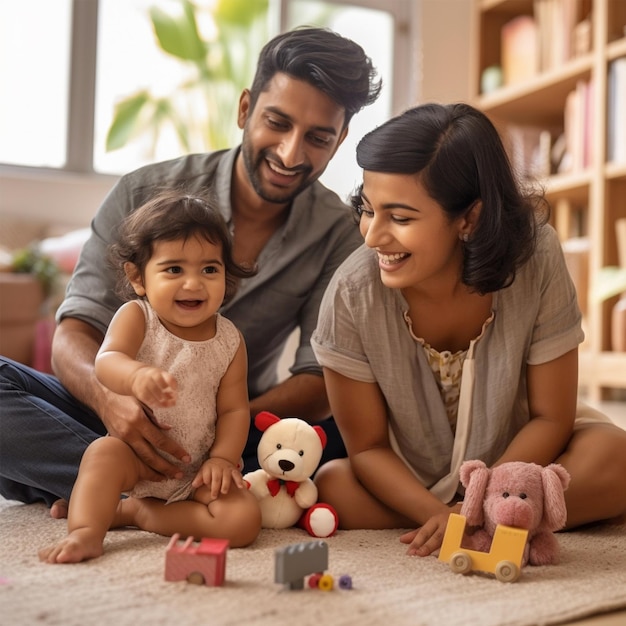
79	545
58	510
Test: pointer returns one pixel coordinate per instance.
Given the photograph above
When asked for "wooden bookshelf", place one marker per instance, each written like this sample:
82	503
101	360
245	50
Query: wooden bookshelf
589	195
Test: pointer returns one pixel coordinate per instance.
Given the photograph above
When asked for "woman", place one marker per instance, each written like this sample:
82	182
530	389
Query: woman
453	334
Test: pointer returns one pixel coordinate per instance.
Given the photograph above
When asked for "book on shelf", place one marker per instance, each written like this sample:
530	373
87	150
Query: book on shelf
563	32
577	128
616	114
519	49
529	149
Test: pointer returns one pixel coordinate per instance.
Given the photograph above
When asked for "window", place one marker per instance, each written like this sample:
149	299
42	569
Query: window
34	74
356	23
91	53
179	99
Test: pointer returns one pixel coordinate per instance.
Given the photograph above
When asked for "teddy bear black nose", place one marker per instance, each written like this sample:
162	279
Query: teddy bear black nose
285	465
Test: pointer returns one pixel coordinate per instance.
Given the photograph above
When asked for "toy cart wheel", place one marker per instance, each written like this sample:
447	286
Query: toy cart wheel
195	578
460	563
507	572
326	582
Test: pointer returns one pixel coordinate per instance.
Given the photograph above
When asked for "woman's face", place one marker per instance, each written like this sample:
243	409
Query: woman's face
417	245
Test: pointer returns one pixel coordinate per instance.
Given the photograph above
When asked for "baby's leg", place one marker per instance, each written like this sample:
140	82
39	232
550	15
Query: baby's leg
235	516
109	467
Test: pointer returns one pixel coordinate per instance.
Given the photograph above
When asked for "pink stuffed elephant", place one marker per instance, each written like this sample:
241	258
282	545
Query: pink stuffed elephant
523	495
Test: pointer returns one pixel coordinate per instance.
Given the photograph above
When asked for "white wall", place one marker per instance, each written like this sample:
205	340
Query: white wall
445	35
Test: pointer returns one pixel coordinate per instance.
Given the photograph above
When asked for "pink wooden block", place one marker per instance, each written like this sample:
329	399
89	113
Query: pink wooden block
201	562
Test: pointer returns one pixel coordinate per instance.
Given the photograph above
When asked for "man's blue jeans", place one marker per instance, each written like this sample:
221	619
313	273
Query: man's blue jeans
44	432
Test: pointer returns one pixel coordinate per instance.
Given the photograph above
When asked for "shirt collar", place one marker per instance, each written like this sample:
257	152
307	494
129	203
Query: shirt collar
299	209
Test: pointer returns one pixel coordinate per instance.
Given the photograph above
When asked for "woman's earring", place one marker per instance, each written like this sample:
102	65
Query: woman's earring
465	237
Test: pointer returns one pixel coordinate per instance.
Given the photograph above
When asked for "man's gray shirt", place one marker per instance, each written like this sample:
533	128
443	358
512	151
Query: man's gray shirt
294	267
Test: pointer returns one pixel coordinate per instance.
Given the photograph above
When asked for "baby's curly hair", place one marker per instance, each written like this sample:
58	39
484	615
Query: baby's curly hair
172	214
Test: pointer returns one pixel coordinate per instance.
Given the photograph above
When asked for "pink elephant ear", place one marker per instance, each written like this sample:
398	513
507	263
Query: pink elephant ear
474	477
555	479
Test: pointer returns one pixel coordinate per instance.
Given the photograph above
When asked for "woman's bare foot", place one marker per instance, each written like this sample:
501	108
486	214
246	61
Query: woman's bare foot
81	544
58	510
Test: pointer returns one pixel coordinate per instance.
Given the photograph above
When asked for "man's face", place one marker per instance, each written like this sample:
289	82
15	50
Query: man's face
289	137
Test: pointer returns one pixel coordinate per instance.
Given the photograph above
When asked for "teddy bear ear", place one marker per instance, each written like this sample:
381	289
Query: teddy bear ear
265	419
321	434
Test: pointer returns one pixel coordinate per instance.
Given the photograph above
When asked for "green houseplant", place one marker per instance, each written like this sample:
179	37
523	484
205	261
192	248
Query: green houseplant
218	69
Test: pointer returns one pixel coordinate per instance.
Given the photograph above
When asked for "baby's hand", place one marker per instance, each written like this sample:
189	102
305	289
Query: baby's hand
154	387
217	475
429	537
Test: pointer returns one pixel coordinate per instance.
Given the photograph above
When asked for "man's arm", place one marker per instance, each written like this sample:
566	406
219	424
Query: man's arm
74	352
302	395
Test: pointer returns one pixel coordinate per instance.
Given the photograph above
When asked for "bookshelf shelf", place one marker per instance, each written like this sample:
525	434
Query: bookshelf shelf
614	171
573	44
616	49
540	99
574	186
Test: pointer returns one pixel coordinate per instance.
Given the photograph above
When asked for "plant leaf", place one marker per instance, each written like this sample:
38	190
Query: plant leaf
240	12
178	35
610	281
125	120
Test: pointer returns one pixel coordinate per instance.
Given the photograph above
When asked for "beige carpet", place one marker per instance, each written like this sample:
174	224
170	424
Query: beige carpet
126	586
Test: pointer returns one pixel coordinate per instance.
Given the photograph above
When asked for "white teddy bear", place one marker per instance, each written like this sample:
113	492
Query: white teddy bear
289	452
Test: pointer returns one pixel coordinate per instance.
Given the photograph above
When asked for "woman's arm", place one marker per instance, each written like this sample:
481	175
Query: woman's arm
552	396
361	413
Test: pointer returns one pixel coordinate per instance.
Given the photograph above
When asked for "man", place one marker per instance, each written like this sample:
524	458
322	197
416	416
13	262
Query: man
308	84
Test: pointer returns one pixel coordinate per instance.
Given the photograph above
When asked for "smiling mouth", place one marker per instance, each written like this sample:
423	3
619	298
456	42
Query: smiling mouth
282	171
392	259
189	304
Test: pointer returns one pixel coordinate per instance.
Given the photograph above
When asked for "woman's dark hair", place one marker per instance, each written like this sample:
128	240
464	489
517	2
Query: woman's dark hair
170	215
457	155
335	65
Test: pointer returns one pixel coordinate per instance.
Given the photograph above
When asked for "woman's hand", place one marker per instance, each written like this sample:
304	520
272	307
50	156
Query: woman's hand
429	537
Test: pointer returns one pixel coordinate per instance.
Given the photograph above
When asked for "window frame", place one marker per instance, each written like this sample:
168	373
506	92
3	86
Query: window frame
71	193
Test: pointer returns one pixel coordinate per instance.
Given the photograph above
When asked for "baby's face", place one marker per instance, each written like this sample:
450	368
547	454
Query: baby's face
185	282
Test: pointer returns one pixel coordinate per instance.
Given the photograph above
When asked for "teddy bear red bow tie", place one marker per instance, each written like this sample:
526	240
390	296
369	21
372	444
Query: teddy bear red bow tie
275	484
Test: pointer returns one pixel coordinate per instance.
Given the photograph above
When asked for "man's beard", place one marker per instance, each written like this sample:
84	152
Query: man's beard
275	195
